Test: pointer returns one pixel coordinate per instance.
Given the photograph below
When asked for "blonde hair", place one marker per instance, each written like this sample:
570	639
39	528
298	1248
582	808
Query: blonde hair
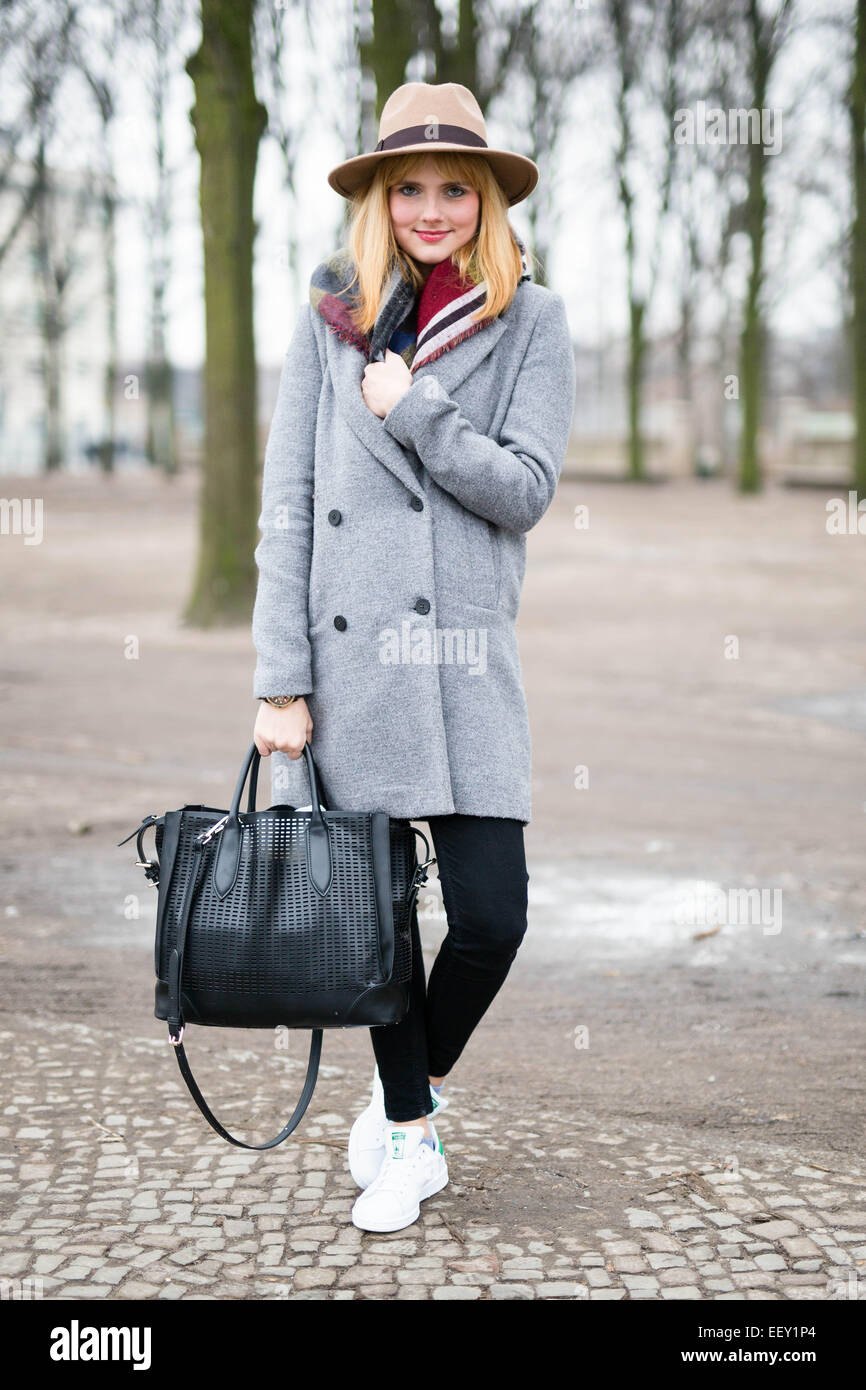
491	255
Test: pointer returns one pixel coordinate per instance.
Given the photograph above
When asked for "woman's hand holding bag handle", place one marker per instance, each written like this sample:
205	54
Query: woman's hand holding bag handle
281	917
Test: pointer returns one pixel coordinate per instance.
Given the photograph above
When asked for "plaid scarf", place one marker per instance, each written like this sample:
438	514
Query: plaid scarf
419	327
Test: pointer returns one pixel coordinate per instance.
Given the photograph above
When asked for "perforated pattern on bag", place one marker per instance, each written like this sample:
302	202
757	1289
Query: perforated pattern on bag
404	857
273	933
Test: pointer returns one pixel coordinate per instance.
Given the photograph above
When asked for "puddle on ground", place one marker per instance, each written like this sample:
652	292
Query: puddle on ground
844	708
620	917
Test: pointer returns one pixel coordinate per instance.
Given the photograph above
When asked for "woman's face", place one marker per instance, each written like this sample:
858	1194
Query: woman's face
428	203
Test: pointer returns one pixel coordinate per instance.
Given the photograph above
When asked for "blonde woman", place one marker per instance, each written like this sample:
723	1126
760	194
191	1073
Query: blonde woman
423	415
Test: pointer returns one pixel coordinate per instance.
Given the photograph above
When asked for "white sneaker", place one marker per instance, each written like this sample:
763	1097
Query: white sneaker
367	1135
410	1172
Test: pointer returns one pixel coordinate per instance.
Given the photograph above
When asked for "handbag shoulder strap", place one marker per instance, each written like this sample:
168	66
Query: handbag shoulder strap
176	1028
297	1114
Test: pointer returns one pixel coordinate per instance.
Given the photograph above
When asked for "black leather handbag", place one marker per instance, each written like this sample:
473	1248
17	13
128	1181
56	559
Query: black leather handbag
281	917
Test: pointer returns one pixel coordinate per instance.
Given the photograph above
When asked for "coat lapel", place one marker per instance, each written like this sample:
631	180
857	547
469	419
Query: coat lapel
450	369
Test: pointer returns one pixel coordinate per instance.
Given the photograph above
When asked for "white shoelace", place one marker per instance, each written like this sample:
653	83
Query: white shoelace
398	1174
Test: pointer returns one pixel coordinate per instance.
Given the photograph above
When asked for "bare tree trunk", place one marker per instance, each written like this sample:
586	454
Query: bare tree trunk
99	77
637	350
228	122
160	445
49	312
47	58
630	39
455	61
393	42
725	343
554	51
857	110
626	75
110	233
752	339
404	28
766	36
108	208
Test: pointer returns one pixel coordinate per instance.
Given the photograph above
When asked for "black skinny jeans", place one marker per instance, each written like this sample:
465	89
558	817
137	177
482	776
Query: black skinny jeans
482	870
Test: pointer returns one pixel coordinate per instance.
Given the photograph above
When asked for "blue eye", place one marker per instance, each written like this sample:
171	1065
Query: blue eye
413	188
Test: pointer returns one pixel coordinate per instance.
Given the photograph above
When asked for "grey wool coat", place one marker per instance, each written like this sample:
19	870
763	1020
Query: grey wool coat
392	558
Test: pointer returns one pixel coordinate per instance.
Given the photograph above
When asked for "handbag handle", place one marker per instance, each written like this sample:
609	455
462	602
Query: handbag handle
230	831
254	783
252	763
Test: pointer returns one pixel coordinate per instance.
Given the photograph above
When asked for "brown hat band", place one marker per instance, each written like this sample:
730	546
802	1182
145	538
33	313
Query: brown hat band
417	135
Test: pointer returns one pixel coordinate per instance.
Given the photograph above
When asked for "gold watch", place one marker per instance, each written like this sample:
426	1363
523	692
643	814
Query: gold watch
279	701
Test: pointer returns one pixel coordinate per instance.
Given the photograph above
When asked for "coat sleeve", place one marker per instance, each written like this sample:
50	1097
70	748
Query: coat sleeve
510	482
283	554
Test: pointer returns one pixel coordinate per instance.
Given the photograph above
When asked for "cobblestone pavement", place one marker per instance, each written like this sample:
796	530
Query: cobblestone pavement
112	1187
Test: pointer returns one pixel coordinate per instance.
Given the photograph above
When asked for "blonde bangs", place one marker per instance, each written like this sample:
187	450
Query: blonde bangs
491	255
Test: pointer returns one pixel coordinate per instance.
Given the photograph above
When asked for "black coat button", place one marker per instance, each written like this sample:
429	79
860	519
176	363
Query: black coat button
340	623
417	504
335	517
422	605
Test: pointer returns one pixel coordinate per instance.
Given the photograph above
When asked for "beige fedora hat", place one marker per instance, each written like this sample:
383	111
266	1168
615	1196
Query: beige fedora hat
426	118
